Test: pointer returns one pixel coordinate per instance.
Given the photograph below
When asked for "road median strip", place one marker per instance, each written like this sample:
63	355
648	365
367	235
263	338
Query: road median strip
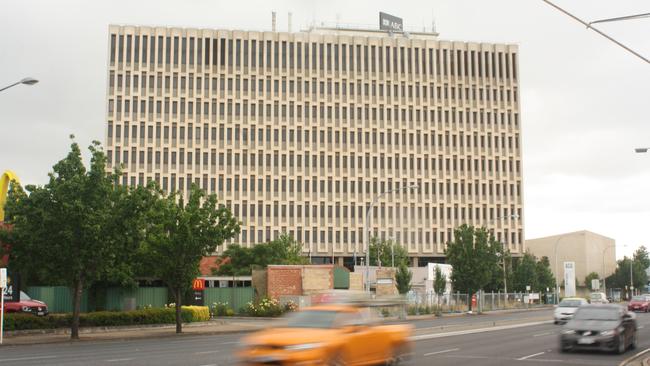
479	330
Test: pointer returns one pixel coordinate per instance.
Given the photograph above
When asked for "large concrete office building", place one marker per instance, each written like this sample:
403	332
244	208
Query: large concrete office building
298	132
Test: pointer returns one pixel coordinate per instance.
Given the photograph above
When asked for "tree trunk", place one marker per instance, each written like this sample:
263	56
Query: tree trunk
179	324
76	308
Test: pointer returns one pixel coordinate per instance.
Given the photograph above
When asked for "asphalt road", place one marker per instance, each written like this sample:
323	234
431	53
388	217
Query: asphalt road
534	344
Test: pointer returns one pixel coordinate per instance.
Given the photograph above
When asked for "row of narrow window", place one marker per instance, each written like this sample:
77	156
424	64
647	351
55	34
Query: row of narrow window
305	87
305	111
310	137
333	236
165	50
292	160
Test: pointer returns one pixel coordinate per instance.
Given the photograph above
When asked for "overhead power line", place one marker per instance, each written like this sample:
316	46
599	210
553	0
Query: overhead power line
598	31
629	17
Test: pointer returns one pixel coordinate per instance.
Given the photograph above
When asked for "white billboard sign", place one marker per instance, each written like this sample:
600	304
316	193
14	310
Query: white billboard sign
595	284
569	279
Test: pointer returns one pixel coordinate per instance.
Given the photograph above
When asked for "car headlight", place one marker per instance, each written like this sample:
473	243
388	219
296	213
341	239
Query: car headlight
607	333
568	331
25	308
302	347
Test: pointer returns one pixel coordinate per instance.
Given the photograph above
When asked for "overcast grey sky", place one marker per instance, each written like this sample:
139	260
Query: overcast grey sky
584	101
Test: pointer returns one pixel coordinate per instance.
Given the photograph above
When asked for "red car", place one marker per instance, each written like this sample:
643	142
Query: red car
639	303
26	305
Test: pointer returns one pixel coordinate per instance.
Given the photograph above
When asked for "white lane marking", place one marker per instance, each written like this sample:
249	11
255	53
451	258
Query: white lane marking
473	331
26	358
641	327
205	352
530	356
119	360
211	364
445	351
544	360
543	334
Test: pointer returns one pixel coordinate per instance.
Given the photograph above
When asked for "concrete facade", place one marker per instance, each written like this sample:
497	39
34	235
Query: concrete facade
298	132
590	251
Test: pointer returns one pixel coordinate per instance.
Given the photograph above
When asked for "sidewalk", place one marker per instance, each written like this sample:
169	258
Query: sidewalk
231	325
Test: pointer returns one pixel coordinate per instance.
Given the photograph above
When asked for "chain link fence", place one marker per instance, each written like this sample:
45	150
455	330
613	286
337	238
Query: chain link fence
432	303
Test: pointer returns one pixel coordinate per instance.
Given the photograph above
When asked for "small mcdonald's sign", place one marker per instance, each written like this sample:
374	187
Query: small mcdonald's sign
198	284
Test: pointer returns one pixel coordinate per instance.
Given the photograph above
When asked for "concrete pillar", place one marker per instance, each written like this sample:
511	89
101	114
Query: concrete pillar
415	261
339	261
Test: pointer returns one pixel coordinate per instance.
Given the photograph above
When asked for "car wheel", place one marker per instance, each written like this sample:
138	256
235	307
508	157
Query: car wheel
399	355
633	341
336	360
555	322
620	344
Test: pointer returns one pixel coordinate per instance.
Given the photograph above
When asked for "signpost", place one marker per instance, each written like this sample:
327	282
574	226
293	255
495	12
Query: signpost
3	286
569	279
198	285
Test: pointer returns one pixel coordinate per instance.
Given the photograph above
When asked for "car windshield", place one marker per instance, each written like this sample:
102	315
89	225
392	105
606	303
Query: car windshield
596	296
312	319
24	296
597	314
639	298
570	303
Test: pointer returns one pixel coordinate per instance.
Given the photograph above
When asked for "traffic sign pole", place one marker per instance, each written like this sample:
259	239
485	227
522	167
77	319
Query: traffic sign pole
3	285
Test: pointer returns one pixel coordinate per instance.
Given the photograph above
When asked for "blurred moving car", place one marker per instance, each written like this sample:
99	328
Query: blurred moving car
26	305
331	334
639	303
600	327
566	308
598	298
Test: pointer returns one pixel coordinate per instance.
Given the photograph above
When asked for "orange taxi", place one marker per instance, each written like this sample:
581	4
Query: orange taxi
329	335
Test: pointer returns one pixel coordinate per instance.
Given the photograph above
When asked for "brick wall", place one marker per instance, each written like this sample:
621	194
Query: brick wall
317	278
284	280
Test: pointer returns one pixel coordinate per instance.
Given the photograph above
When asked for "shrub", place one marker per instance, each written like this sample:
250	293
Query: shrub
198	313
265	307
17	321
221	309
290	306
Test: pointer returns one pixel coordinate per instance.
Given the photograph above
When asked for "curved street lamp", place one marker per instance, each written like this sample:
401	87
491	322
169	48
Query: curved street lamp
25	81
366	224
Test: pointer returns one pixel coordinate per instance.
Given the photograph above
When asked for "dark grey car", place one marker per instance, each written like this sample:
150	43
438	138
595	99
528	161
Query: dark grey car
600	327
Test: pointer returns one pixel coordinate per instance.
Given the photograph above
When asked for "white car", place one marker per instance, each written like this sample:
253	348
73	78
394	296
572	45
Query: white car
598	298
567	307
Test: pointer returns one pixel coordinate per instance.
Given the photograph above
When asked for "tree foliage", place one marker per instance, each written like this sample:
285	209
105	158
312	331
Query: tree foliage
403	278
283	250
621	276
381	249
439	282
474	257
180	233
77	229
532	272
589	277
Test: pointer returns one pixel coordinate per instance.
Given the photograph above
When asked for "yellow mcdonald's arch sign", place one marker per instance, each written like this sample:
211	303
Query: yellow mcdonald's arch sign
6	178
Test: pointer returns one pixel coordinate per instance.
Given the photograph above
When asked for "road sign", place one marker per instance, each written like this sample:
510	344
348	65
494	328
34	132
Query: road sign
595	284
527	288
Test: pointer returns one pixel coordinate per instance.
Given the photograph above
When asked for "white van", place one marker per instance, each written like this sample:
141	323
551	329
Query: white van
598	298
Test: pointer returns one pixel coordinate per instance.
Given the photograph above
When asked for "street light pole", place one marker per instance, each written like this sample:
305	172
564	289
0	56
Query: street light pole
366	226
557	272
604	271
25	81
503	258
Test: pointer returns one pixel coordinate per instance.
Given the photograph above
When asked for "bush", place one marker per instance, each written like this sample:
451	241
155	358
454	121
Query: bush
221	309
265	307
18	321
199	313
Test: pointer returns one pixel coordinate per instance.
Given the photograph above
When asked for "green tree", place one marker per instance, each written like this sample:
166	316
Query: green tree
403	278
283	250
589	277
77	229
621	276
545	278
381	248
180	234
525	273
641	255
473	256
439	283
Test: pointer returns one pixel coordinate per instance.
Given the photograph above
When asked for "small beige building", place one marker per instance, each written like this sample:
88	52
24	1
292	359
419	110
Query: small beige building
591	252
